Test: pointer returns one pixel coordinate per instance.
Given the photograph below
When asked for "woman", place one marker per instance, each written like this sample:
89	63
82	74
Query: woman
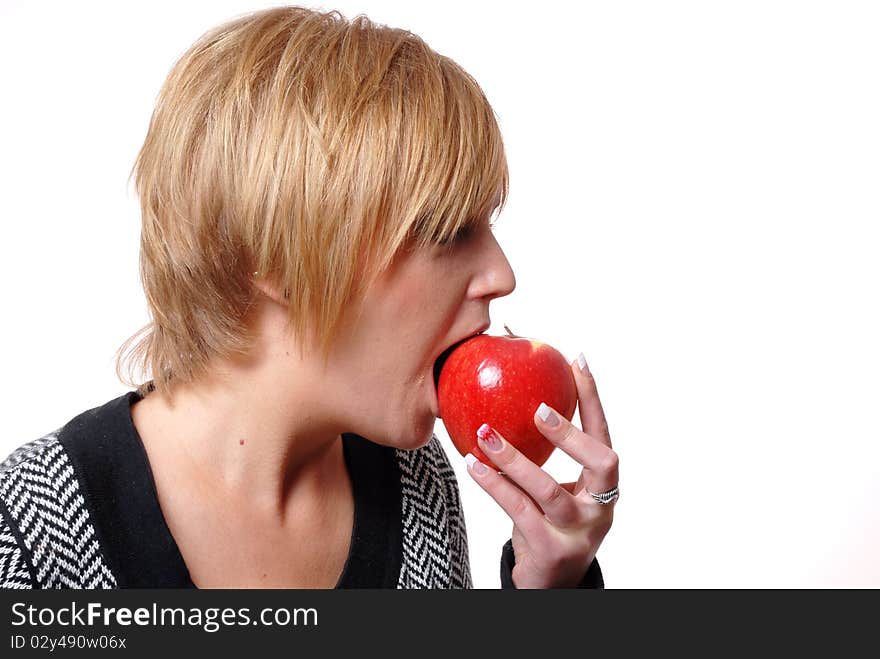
316	198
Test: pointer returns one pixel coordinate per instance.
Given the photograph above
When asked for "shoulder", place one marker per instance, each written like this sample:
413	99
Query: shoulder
21	480
46	535
434	533
16	488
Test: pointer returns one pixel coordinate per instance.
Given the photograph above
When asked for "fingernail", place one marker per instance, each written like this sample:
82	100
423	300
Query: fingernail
477	466
582	364
489	437
547	415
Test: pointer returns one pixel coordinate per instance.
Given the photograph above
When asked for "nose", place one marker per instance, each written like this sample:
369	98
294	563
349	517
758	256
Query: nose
495	278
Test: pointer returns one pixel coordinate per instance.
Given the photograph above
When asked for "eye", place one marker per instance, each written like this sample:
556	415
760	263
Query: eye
458	237
463	234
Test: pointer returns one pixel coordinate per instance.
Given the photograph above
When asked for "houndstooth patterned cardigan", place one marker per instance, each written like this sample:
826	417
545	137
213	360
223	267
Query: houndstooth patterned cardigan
79	510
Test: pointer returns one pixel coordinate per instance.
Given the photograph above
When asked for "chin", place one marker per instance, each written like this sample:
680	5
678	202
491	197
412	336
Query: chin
407	432
414	440
413	436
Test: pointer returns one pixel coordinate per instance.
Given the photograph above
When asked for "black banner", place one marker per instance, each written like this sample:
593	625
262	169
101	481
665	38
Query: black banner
397	622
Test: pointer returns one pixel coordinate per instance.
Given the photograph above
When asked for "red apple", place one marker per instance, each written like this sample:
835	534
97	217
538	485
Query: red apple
501	380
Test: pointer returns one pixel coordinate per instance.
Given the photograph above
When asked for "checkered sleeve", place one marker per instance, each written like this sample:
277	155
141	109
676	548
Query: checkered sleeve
15	570
47	538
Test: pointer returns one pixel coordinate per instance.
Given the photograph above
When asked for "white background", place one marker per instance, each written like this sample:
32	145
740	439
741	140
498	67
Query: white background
694	204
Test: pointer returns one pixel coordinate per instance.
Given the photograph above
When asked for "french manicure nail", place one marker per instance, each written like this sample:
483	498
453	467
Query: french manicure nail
547	415
582	364
477	466
489	437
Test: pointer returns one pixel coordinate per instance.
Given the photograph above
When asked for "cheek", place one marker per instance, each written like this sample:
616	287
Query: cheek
413	288
417	313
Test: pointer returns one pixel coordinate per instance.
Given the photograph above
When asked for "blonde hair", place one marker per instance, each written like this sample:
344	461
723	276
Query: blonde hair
312	150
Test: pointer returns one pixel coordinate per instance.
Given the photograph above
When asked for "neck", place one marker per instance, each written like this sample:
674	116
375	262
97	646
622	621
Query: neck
240	435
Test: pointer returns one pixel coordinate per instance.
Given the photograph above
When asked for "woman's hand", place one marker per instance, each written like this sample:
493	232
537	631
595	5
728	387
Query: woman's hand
557	528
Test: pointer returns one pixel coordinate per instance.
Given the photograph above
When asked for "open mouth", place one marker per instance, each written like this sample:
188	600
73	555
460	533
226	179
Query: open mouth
441	360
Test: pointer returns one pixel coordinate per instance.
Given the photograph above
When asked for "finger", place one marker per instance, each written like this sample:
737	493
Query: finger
597	458
513	501
503	475
589	406
560	507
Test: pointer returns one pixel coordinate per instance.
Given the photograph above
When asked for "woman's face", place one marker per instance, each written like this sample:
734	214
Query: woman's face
427	301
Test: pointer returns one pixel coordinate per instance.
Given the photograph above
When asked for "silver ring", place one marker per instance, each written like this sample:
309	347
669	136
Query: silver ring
606	497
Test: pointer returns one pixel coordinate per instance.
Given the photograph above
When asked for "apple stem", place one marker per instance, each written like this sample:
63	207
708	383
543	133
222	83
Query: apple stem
509	333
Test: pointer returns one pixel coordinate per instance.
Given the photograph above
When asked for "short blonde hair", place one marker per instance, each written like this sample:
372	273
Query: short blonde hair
311	149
